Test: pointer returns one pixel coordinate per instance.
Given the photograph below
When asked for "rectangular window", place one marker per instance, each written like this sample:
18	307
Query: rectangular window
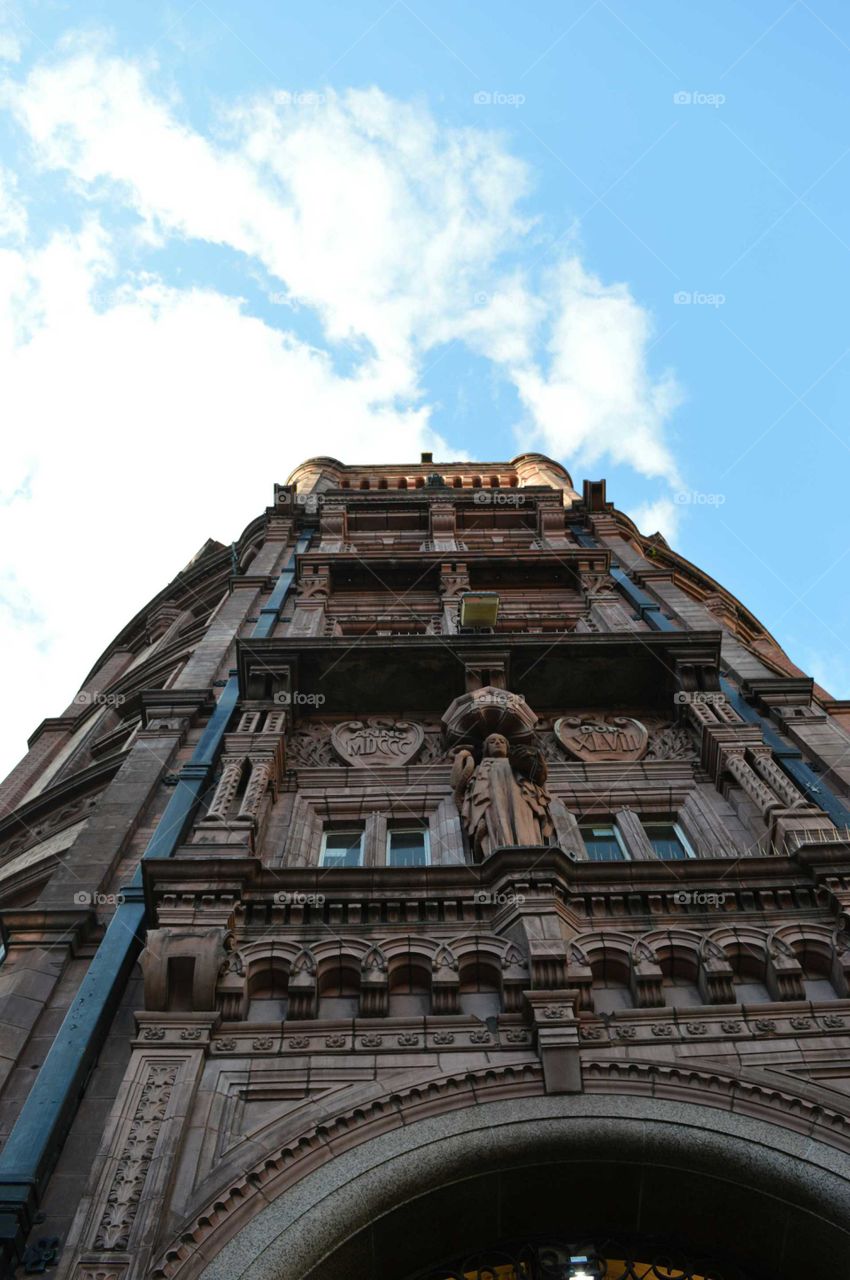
407	847
342	848
668	840
603	843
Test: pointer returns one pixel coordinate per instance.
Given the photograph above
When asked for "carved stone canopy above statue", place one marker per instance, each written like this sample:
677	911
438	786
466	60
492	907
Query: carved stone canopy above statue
595	739
367	743
474	716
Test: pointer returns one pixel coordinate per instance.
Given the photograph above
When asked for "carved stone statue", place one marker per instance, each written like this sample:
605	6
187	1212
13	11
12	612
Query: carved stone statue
502	800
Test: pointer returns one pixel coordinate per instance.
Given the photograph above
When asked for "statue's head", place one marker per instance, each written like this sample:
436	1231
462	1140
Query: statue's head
496	744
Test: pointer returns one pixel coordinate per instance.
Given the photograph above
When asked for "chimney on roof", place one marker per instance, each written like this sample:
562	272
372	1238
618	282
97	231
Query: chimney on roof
427	457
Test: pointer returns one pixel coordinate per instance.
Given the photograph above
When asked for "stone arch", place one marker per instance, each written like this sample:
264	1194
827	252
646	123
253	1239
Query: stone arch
609	959
421	1174
814	946
677	952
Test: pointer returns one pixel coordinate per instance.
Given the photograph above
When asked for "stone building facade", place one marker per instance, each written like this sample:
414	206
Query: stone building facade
444	880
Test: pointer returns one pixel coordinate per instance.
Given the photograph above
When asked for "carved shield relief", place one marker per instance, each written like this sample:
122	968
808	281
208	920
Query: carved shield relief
366	743
597	739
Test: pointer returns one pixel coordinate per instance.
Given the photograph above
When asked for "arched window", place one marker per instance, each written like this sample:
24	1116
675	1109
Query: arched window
268	989
679	983
749	966
409	986
479	986
611	988
339	988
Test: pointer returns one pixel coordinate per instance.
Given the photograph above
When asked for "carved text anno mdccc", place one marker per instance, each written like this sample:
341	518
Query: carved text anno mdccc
604	738
366	743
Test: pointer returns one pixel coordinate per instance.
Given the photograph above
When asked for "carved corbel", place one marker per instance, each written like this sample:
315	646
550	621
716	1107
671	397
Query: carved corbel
333	526
515	978
555	1023
646	977
580	976
303	992
548	963
445	981
231	990
374	988
443	526
784	974
715	977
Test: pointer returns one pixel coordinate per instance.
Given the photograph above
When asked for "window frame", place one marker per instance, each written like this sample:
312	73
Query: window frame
648	823
618	837
409	829
360	832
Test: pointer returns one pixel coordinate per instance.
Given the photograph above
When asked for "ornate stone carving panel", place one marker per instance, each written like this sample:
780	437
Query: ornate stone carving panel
367	743
601	738
128	1183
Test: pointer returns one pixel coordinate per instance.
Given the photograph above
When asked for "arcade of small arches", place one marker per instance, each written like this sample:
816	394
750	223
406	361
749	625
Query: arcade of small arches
482	976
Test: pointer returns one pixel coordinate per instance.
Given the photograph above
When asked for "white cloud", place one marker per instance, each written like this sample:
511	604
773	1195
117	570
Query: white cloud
398	233
107	400
592	396
13	214
661	516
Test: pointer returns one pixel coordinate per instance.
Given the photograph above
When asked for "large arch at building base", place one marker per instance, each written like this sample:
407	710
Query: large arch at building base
735	1188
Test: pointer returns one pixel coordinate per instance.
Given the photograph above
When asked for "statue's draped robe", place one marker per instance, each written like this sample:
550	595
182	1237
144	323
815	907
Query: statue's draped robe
499	809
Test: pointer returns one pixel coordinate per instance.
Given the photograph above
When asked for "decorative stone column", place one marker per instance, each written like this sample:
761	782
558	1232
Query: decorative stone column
228	785
127	1196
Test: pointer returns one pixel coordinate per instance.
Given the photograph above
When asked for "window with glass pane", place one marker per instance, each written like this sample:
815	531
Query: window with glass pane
603	843
407	848
342	849
668	841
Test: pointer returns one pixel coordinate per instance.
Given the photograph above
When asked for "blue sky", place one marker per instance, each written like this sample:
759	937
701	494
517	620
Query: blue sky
233	235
